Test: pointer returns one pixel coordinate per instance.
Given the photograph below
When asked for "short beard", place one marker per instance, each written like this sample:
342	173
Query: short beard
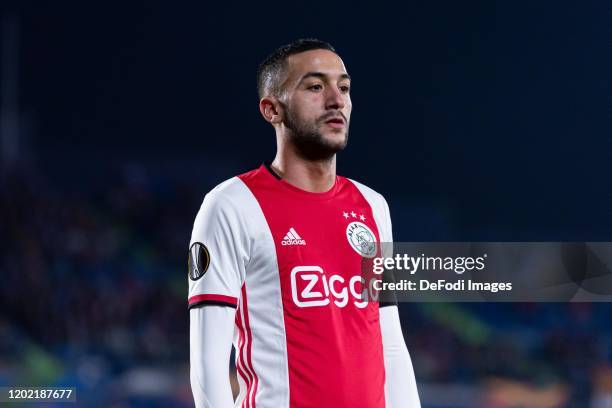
309	142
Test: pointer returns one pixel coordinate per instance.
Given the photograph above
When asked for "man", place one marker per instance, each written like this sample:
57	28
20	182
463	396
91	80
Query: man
275	261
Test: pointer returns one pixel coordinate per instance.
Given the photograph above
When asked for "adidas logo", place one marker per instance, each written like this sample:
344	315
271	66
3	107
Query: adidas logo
293	238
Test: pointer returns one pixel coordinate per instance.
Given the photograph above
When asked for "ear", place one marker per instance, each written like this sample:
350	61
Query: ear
271	110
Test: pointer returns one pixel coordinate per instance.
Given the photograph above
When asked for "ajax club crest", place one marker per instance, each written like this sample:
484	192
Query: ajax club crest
361	239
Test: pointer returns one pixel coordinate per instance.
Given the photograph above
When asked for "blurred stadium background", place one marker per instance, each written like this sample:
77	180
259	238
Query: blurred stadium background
487	121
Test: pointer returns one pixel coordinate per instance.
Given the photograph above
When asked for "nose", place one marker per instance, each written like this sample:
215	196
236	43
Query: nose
334	99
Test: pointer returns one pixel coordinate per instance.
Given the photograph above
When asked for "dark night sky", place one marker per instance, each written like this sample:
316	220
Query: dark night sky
498	114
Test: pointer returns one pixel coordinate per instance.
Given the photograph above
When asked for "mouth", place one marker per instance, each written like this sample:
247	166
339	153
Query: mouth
336	123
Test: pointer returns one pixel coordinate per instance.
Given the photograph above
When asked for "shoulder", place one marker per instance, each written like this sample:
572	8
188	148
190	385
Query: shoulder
227	192
228	200
372	196
235	189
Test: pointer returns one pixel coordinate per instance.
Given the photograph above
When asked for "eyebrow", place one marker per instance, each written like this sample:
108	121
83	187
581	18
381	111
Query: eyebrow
321	76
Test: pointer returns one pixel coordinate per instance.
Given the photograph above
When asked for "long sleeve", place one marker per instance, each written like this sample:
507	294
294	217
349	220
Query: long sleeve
400	385
211	331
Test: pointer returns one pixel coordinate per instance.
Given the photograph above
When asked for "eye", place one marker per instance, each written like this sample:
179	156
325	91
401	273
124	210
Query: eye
344	88
315	87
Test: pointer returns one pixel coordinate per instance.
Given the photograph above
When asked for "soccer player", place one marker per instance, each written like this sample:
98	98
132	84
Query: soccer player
275	261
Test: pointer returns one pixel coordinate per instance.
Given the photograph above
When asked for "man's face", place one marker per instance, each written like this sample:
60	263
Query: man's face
317	103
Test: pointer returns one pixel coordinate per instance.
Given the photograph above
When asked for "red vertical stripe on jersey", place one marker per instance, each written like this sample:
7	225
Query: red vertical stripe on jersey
249	346
245	361
239	360
246	372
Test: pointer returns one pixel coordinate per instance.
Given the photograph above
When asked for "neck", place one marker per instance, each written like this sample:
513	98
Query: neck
308	175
